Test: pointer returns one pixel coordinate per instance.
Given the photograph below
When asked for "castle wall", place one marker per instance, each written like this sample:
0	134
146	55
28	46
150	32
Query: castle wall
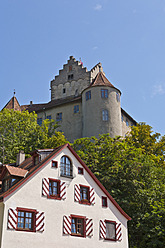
93	123
71	123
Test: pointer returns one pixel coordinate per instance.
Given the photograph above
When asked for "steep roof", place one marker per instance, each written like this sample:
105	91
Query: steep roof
34	169
15	171
13	104
101	80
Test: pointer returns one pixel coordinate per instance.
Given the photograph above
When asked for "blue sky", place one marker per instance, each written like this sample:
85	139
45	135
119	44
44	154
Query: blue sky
127	37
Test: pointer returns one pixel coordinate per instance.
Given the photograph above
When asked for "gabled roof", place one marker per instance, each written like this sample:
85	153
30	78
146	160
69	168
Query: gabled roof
13	104
35	169
101	80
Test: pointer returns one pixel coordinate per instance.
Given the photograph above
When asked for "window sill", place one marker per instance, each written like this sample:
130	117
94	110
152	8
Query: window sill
110	239
71	177
78	235
54	197
25	230
85	202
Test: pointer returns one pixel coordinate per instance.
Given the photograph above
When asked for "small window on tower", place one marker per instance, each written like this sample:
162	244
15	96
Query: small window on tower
70	77
70	68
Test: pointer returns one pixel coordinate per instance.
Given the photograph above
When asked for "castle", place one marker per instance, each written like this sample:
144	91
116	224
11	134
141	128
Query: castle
83	102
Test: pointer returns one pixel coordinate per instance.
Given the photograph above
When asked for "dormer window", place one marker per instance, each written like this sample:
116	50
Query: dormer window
36	159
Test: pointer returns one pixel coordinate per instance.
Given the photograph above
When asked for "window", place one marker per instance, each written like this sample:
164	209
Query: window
127	123
59	117
66	167
110	230
104	93
49	117
70	68
76	109
36	159
122	118
39	121
54	164
54	188
64	91
80	171
8	182
88	95
84	195
70	77
26	220
104	201
105	115
78	226
117	97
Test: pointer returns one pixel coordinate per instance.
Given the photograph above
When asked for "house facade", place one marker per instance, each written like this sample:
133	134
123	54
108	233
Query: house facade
84	103
52	199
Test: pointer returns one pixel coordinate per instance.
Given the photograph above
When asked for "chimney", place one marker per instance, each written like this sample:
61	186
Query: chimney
20	157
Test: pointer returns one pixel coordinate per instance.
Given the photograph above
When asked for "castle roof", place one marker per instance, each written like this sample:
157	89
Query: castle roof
13	104
101	80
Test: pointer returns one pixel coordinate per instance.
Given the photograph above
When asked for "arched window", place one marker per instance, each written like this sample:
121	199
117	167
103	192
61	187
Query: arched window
66	167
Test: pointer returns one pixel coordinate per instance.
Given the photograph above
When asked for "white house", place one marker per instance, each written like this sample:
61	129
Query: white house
52	199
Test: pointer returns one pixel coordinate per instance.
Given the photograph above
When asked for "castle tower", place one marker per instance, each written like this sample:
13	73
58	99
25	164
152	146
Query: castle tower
101	108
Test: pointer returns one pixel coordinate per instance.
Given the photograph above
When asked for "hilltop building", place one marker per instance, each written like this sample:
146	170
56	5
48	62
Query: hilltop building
52	199
84	103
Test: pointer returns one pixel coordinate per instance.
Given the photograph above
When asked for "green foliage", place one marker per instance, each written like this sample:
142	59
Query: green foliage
133	171
20	131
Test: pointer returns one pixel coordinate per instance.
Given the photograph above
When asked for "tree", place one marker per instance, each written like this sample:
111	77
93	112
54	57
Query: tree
20	131
133	171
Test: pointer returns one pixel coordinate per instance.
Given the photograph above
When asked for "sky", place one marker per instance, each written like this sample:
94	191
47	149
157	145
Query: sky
127	37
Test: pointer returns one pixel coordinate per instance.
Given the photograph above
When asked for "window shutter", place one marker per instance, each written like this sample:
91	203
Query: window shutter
63	190
92	196
102	229
77	192
67	225
89	227
40	221
118	232
45	187
12	219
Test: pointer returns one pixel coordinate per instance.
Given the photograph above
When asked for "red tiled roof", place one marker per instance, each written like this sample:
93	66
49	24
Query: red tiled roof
15	171
101	80
13	104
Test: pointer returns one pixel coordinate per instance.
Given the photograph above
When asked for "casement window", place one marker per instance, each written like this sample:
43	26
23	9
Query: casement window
110	230
84	194
105	115
117	97
80	171
122	118
49	117
22	219
66	168
76	109
79	226
8	182
104	93
59	117
127	123
39	121
88	95
54	164
54	189
104	201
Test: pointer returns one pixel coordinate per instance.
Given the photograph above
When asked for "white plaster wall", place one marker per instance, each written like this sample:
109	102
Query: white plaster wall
30	196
